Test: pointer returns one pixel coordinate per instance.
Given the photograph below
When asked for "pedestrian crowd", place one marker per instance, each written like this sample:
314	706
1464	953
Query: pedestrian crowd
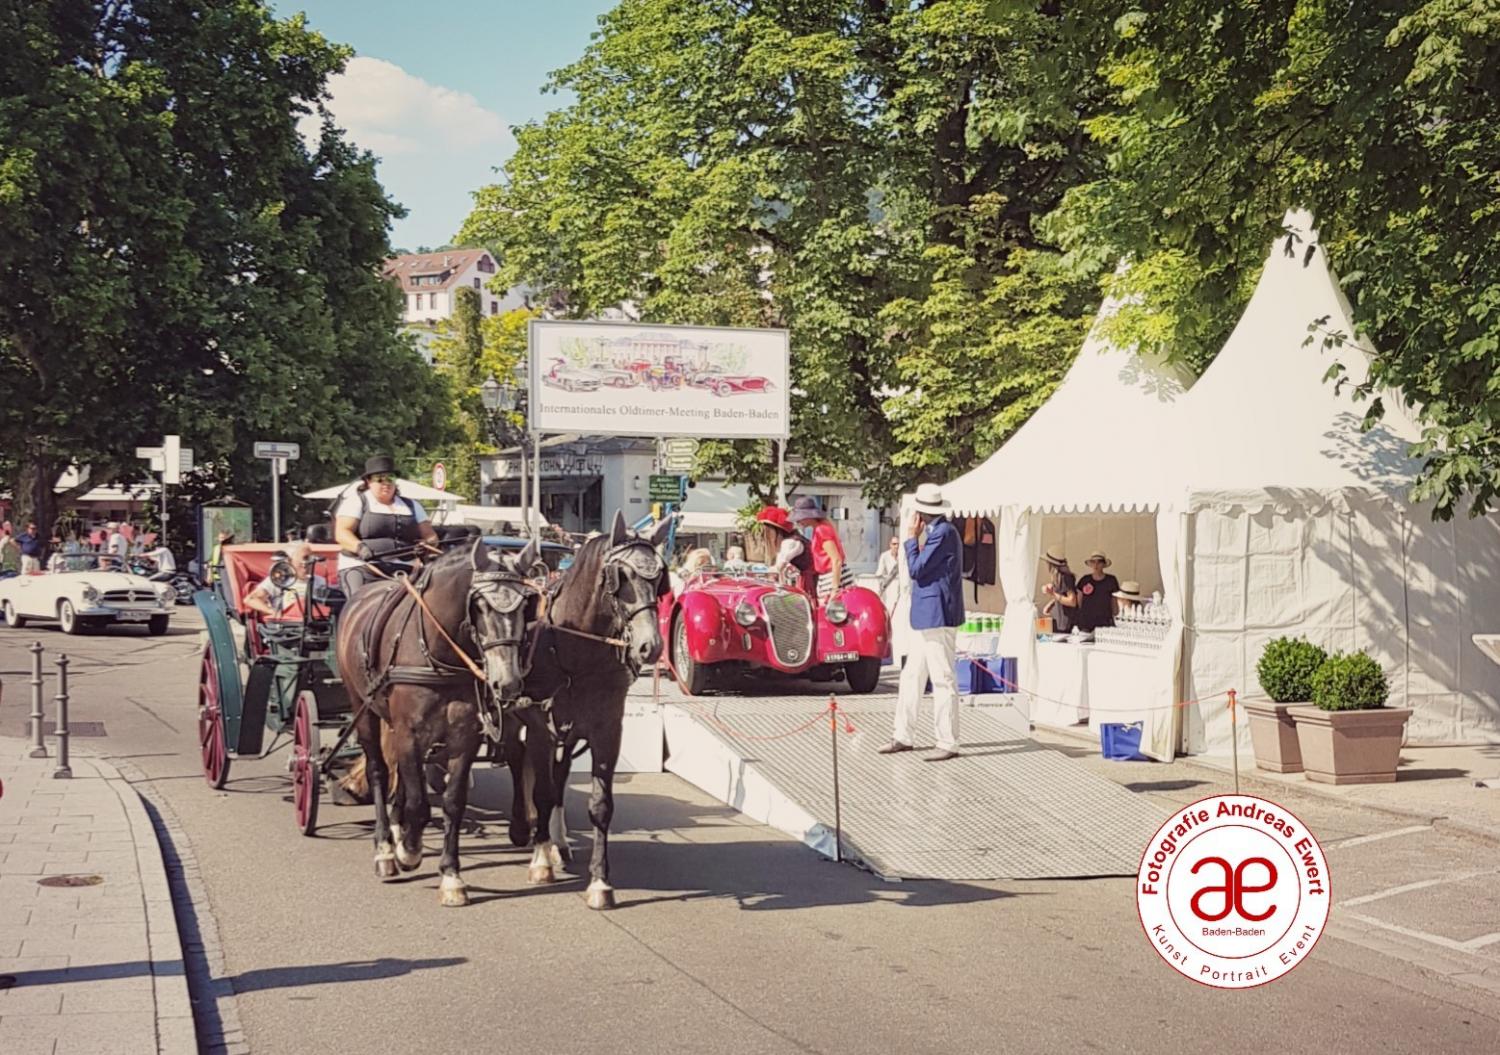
113	545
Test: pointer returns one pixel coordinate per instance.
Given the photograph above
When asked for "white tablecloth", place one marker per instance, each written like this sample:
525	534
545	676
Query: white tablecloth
1062	684
1129	687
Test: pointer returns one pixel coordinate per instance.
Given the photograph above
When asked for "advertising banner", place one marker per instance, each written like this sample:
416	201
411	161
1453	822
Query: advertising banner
635	379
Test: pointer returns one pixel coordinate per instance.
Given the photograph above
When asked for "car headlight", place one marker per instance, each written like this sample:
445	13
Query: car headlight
89	594
835	611
165	593
744	614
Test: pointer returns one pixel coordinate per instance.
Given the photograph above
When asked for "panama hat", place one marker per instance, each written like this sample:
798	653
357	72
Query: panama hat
380	463
1054	556
1099	555
1129	590
930	499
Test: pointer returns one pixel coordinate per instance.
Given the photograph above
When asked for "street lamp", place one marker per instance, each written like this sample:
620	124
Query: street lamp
500	401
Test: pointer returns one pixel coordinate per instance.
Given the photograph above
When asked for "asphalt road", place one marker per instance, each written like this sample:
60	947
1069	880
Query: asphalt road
731	938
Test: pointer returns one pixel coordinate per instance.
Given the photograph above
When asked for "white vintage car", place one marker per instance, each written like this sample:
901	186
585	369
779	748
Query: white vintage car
80	600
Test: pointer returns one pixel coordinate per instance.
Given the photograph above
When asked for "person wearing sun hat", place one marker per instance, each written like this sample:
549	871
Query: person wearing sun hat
937	611
789	548
1063	591
1128	595
375	525
826	548
1096	594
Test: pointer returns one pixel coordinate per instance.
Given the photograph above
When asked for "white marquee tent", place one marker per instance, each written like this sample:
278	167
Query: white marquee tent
1274	514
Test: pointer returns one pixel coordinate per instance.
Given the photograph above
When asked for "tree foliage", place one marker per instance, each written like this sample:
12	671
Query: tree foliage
863	173
1381	118
175	258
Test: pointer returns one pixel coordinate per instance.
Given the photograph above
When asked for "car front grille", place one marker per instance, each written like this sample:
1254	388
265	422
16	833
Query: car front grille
129	596
789	620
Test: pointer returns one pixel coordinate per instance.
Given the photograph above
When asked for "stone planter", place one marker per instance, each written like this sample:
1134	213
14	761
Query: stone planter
1350	747
1274	736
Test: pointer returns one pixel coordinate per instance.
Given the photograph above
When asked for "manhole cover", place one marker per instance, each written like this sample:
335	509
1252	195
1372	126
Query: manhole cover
71	881
76	728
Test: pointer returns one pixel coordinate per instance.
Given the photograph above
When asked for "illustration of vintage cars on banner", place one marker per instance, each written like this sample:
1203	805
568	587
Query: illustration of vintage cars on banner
726	624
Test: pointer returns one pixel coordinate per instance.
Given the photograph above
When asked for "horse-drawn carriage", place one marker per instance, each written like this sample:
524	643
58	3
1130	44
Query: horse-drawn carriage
273	673
423	669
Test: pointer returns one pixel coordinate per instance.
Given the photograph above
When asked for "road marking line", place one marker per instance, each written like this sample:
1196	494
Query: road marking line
1406	888
1479	943
1360	840
1419	935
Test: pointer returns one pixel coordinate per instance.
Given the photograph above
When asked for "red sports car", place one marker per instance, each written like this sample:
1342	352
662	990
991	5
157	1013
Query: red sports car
725	623
721	384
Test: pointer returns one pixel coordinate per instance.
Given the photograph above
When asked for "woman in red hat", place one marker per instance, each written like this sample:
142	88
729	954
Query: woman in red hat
791	549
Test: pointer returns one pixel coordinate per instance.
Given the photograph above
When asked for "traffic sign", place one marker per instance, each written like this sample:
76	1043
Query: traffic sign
663	488
439	477
155	456
678	454
276	449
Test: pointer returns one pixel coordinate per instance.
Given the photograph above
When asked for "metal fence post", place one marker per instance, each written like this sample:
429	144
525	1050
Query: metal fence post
63	769
38	743
838	818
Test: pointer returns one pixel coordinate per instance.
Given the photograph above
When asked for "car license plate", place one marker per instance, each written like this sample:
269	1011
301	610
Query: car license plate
133	617
840	657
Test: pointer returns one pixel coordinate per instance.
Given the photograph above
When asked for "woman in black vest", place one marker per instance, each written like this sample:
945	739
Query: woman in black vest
375	524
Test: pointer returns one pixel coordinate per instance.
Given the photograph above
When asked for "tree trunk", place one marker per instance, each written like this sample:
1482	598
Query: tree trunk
35	498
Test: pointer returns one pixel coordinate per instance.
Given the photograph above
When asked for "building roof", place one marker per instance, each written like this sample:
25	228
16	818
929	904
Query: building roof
449	262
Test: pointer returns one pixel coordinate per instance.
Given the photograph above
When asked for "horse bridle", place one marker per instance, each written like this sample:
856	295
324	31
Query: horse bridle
503	591
640	558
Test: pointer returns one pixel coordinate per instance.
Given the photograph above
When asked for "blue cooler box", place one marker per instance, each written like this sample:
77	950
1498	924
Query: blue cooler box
974	680
1121	743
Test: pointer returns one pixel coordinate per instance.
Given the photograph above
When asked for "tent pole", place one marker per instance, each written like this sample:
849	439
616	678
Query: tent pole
781	471
536	481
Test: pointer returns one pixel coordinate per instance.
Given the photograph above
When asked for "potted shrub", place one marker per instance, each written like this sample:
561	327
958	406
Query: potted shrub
1285	670
1349	735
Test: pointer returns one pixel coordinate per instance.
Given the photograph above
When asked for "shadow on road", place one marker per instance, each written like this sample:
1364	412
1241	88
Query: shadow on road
336	973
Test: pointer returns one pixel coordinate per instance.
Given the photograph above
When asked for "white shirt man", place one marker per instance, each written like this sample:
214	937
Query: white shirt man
118	545
273	600
888	571
163	558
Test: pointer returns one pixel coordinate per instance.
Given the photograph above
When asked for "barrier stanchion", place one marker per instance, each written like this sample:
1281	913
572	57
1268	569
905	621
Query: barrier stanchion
838	815
1234	738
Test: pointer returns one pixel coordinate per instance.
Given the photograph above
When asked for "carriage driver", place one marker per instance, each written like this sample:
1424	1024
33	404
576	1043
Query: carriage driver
374	523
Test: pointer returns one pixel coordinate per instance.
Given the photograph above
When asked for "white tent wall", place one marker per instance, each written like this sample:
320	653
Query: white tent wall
1453	582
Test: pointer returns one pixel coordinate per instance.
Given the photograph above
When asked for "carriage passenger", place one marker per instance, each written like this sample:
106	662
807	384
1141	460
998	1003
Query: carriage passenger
272	599
375	524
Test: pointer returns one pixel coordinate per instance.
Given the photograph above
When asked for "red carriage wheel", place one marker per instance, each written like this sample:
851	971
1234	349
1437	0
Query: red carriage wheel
306	780
211	739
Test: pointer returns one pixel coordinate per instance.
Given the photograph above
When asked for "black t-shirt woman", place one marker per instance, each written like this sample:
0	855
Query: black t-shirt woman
1096	595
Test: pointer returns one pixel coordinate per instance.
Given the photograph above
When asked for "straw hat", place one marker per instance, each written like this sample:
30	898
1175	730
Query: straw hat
1099	555
1054	557
1129	590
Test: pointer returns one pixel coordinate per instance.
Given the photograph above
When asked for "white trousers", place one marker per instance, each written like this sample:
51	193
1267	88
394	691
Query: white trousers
930	654
30	565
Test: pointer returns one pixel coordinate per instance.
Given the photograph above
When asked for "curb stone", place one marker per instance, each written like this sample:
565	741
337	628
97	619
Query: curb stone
215	1019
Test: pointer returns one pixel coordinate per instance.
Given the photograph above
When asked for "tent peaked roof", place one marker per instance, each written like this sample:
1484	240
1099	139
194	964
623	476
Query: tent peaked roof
1110	395
1262	426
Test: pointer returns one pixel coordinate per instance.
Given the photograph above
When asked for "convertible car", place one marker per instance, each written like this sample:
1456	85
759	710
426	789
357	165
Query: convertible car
81	600
726	623
722	384
570	378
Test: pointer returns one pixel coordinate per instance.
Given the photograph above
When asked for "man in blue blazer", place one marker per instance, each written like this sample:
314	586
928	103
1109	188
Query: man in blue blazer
937	611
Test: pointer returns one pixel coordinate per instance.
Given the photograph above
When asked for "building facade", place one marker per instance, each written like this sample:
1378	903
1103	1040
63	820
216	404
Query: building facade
430	282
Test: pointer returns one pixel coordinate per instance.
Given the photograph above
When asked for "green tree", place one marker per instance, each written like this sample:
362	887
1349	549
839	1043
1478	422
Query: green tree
458	351
176	259
1381	118
849	170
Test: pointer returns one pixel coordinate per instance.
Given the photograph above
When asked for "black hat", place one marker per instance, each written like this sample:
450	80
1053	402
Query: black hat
381	463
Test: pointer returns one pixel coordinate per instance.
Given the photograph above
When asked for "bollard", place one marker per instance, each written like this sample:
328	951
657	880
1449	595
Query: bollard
63	769
38	742
838	820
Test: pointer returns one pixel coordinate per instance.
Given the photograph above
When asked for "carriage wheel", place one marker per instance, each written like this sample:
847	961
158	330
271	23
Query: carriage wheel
306	780
211	739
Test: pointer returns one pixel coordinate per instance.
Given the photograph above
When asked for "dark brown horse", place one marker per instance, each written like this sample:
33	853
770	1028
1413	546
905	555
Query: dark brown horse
420	660
599	630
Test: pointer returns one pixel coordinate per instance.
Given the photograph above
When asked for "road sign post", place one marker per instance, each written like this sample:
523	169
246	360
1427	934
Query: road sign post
666	488
278	453
439	476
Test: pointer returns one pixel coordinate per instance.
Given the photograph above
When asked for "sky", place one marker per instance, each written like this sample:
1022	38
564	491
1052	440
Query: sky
434	90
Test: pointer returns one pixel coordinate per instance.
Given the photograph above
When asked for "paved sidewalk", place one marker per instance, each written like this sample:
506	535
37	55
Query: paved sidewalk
97	968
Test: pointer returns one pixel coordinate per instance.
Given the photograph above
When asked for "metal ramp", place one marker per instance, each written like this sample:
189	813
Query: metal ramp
1008	809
